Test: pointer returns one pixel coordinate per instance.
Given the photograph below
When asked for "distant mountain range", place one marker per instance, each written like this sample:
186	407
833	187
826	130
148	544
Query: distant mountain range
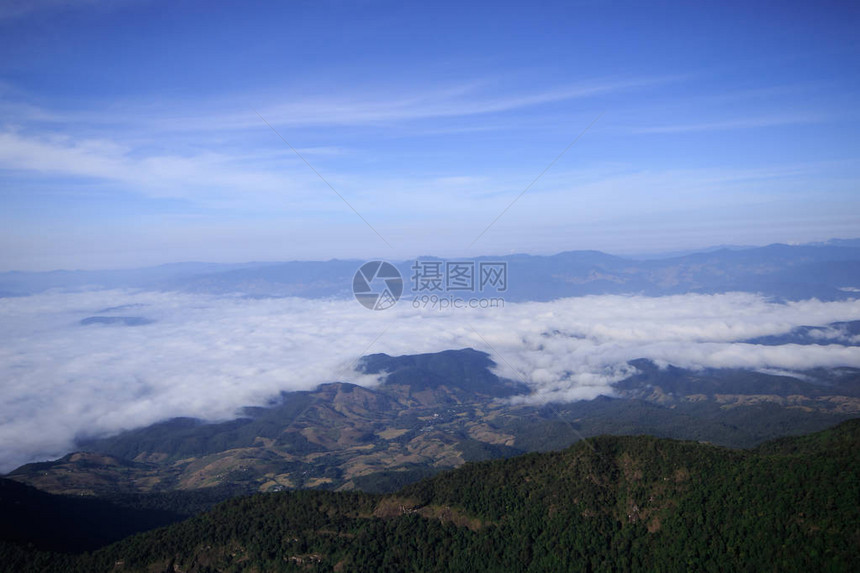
827	271
434	412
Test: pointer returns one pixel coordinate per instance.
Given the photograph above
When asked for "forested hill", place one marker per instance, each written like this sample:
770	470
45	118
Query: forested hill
604	504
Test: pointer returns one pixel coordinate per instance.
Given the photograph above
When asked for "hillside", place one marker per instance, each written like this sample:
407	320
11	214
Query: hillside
434	412
83	523
606	504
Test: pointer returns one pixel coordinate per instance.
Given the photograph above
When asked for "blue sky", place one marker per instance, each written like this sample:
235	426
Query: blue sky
130	134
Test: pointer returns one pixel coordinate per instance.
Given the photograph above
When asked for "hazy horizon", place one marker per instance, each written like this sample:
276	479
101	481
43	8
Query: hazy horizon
632	254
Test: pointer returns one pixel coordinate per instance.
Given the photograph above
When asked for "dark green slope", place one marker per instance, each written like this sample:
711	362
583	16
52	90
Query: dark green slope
67	523
608	504
36	520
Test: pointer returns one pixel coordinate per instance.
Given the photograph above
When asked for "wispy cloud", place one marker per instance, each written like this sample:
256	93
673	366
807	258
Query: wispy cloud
451	103
362	106
208	177
194	149
735	124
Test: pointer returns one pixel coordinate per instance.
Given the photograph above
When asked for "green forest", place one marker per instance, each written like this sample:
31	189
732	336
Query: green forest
605	504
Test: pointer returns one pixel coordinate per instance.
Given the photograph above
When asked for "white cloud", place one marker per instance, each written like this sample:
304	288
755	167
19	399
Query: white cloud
201	150
733	124
458	101
207	356
208	177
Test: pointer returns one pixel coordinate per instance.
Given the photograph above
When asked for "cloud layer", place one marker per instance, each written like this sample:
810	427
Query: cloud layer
207	356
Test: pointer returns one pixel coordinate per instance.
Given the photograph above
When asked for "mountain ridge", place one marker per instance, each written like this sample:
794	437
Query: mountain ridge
791	272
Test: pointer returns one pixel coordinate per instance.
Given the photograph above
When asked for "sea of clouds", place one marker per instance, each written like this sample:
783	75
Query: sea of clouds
207	356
